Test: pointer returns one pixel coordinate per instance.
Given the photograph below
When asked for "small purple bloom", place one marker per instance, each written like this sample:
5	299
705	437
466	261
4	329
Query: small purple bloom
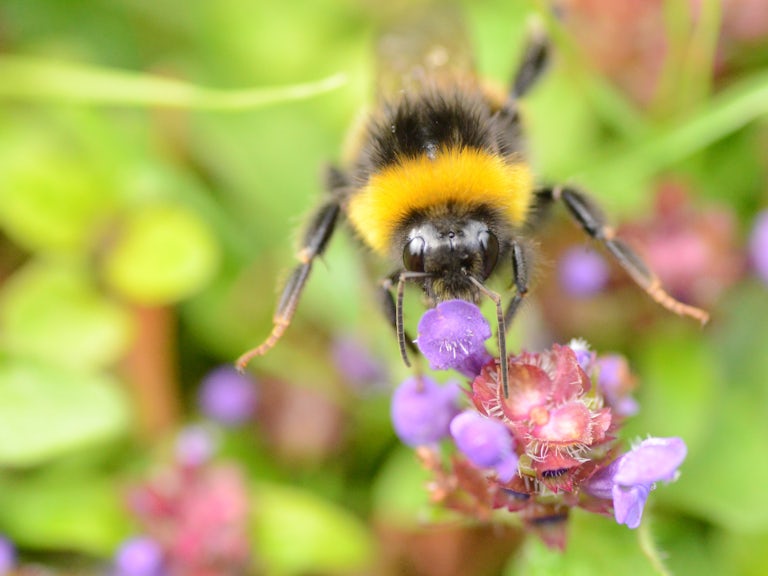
584	356
7	556
614	382
582	272
140	556
629	480
486	443
227	396
422	410
758	246
452	336
355	362
195	445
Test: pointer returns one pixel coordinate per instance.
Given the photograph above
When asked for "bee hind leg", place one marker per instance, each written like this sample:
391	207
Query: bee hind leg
589	216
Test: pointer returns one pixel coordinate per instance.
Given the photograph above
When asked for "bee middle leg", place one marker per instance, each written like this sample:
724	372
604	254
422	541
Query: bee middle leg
533	63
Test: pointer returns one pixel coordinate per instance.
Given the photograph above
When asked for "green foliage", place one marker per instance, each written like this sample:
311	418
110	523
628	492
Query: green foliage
156	159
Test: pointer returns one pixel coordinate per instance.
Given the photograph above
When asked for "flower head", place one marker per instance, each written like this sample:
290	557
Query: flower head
356	364
452	336
486	443
630	479
422	410
7	556
582	273
227	396
140	556
758	246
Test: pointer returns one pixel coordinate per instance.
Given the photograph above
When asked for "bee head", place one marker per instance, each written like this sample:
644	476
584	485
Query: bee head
449	252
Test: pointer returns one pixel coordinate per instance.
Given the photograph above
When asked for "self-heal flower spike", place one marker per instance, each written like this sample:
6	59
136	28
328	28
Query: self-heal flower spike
452	336
630	479
486	443
422	410
582	273
228	396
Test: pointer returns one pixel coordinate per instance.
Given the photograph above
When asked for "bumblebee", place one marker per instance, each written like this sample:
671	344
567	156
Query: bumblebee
439	186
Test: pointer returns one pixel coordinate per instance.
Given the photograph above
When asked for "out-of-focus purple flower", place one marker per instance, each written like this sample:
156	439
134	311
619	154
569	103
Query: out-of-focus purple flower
758	246
616	383
452	336
140	556
195	445
7	556
582	272
356	363
486	443
584	356
227	396
629	480
422	410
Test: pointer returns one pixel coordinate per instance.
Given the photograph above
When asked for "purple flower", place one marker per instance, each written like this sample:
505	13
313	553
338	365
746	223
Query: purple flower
452	336
486	443
582	273
584	356
355	362
227	396
422	410
629	480
195	445
7	556
140	556
758	245
615	382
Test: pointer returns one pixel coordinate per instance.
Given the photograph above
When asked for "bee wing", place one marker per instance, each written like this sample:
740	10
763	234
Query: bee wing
431	43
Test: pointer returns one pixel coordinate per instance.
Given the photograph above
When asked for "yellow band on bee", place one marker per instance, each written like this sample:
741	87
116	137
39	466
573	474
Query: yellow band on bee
465	177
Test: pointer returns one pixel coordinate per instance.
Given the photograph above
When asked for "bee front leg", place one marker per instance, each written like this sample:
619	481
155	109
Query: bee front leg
521	259
393	310
318	233
589	216
533	63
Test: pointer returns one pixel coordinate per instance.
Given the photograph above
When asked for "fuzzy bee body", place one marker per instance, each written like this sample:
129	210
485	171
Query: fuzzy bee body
439	185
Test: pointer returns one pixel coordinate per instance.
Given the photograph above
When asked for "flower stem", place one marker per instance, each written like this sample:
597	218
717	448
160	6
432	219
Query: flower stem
650	550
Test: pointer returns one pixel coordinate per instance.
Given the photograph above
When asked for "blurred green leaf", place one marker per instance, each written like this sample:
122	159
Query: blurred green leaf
596	545
51	313
49	200
295	532
28	78
162	254
47	412
63	510
400	492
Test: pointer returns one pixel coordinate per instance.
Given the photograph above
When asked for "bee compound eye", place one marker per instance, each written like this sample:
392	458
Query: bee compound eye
489	245
413	254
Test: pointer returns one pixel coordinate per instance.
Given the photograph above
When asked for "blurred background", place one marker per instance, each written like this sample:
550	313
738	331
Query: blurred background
145	225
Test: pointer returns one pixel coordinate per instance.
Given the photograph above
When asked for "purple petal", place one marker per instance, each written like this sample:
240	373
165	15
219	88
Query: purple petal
422	410
758	245
451	333
195	445
227	396
601	484
654	459
139	556
7	555
485	442
582	273
628	504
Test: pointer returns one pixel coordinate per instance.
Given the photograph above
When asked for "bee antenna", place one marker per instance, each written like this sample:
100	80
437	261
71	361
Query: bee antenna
501	329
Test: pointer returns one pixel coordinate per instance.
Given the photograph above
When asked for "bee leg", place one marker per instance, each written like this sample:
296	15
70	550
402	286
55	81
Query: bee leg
393	310
318	233
521	257
533	63
591	219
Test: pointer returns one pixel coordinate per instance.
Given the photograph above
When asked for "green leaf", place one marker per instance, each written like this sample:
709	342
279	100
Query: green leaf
163	254
47	412
49	200
50	312
400	492
596	545
27	78
294	532
63	510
